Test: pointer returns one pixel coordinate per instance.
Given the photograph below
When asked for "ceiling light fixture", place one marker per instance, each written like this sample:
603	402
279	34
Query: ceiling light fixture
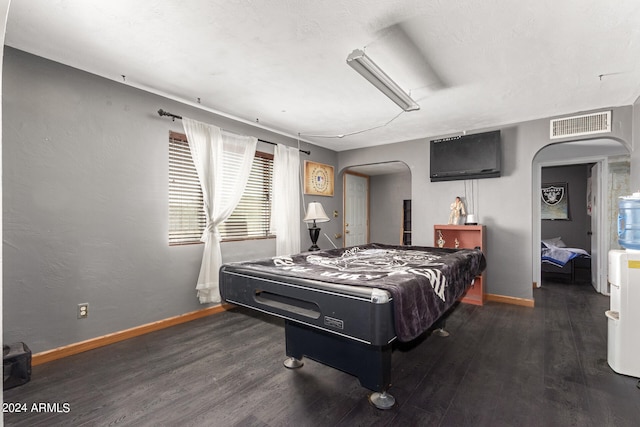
360	62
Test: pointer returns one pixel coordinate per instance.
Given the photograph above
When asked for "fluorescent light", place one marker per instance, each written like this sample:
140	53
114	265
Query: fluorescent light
370	71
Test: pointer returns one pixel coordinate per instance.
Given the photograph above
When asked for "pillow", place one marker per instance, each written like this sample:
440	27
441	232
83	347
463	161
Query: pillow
554	242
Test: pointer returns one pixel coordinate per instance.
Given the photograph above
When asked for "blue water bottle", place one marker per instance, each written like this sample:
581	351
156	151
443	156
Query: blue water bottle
629	221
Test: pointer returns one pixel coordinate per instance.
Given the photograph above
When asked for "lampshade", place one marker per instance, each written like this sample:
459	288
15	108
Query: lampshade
370	71
315	213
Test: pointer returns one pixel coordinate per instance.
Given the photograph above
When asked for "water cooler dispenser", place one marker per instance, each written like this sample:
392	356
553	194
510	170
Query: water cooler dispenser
623	316
623	340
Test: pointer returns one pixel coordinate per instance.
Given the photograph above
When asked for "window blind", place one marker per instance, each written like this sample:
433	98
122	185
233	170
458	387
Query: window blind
251	217
249	220
186	213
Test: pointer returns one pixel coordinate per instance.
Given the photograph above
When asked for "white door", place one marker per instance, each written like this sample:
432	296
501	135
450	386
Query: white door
356	209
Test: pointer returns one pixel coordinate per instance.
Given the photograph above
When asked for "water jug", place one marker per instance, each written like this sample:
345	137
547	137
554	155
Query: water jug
629	221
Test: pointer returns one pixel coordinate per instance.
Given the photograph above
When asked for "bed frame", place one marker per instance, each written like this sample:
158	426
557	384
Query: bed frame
577	270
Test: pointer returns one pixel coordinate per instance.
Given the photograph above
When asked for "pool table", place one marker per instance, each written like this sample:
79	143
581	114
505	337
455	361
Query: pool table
345	307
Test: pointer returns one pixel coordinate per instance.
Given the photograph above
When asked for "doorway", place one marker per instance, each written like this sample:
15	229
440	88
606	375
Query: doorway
388	186
599	155
568	221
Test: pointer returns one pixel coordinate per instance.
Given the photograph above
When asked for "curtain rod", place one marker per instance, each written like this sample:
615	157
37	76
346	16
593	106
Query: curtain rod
161	113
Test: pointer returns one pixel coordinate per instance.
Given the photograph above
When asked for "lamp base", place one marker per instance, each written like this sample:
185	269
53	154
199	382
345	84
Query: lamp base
314	233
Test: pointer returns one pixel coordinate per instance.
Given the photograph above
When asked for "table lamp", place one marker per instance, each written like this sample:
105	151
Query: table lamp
315	214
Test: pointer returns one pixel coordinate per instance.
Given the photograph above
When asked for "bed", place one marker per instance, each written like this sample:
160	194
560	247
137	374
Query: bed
345	307
561	262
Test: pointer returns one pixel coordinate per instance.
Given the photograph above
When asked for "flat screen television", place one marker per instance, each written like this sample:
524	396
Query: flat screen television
466	157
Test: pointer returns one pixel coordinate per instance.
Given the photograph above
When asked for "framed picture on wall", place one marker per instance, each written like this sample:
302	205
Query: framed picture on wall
555	201
318	179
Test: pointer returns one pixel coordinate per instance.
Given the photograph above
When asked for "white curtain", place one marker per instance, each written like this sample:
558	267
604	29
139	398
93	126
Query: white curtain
285	206
223	161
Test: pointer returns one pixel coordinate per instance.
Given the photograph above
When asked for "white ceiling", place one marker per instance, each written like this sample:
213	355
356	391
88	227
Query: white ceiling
469	64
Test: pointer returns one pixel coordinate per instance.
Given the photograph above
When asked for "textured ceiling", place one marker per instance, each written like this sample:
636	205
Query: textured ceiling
469	64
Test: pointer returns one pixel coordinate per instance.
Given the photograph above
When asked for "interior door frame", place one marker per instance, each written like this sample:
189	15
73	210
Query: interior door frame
344	203
601	232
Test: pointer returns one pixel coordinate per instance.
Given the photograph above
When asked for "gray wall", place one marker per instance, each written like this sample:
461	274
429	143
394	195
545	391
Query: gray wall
85	203
573	231
504	204
386	193
85	164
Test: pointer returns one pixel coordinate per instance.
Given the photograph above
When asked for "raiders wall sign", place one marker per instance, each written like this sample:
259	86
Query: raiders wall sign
555	201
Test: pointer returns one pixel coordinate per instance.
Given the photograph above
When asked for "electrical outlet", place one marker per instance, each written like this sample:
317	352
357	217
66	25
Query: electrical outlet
83	310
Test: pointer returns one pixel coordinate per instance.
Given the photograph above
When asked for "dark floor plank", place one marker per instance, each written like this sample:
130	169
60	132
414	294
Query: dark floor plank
502	365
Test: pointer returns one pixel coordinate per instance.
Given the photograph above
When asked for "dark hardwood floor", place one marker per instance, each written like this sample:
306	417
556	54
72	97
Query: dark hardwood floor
503	365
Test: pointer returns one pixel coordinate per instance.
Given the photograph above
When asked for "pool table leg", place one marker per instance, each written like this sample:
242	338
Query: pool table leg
382	400
293	363
439	328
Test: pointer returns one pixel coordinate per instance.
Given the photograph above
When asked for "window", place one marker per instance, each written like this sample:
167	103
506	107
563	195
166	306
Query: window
251	217
186	215
249	220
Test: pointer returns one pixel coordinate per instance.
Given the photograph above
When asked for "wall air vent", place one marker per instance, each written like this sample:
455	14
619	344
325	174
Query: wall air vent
585	124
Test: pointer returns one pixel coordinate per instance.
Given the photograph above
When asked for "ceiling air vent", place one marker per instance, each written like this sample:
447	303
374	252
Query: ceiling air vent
585	124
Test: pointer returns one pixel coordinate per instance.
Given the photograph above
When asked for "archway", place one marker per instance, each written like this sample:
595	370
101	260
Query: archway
601	153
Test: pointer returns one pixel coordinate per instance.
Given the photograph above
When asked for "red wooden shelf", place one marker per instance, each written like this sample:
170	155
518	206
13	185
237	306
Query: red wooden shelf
469	237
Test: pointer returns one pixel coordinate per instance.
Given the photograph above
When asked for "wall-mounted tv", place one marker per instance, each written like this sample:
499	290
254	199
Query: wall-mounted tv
466	157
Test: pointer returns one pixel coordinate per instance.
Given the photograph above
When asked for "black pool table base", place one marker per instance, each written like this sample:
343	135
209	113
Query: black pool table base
380	400
371	364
